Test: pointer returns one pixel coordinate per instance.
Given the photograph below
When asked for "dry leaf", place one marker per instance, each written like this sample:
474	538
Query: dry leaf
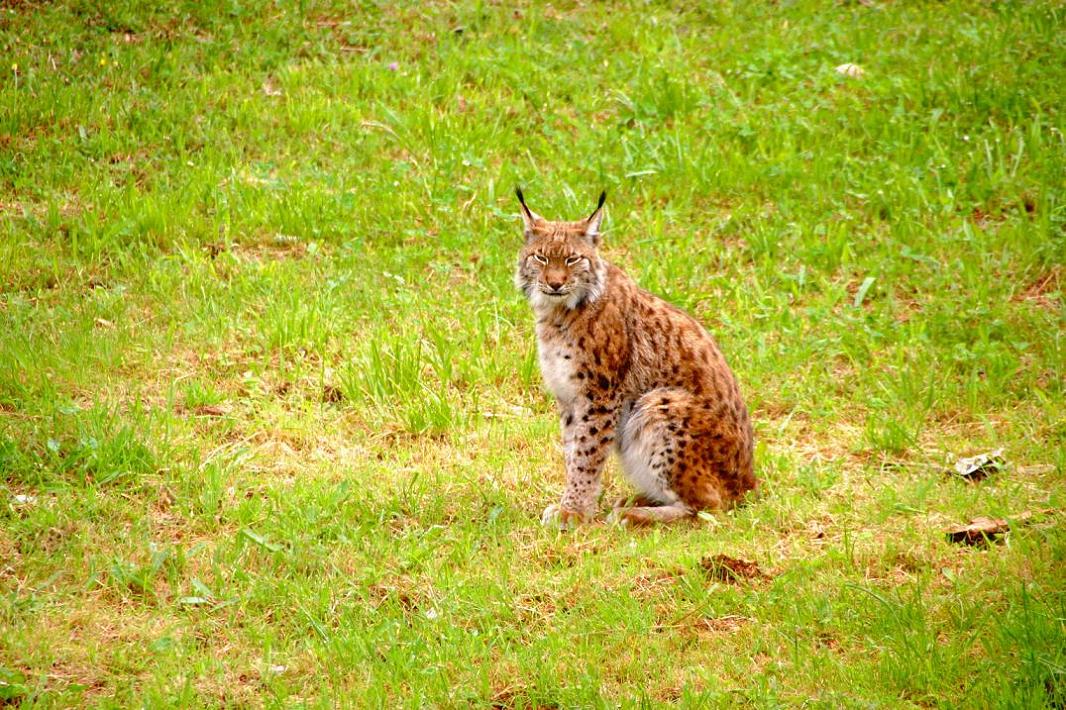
979	531
982	530
976	468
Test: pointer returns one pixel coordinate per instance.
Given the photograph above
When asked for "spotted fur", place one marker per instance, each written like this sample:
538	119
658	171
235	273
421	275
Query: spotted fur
633	373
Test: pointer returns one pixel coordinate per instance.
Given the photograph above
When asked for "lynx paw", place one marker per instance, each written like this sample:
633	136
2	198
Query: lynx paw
556	516
623	516
649	515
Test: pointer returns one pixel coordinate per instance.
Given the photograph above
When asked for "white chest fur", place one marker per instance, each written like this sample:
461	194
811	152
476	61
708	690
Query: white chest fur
557	369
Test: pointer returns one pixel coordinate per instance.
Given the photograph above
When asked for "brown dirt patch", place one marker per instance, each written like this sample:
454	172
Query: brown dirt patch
1044	291
723	568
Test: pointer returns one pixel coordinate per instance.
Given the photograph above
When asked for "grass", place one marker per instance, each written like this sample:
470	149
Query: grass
271	430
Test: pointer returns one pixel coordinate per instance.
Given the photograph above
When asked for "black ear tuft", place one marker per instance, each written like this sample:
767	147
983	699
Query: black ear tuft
603	198
529	217
532	217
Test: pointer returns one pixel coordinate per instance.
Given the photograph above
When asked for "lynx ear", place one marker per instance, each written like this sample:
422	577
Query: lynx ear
529	217
592	224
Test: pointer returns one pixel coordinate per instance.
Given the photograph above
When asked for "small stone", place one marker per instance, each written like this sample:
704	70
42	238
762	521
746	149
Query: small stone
852	70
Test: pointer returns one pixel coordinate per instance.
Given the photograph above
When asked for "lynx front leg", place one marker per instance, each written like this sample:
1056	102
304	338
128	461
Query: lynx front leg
588	432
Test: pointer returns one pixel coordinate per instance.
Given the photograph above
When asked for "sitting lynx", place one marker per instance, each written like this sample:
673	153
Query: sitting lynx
629	369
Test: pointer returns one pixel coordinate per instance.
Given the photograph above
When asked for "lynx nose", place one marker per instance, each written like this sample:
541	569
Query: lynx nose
554	285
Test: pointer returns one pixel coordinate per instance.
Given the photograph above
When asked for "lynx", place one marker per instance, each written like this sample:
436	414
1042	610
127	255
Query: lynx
630	372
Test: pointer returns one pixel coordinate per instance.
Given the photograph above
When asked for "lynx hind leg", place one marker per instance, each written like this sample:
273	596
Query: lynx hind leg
649	451
663	460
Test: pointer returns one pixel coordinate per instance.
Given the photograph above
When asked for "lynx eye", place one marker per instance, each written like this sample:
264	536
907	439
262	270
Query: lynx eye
574	260
540	259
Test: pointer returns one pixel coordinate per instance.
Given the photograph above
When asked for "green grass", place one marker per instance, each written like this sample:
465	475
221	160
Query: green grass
271	429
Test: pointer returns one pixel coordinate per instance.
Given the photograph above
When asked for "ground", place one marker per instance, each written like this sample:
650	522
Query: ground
271	429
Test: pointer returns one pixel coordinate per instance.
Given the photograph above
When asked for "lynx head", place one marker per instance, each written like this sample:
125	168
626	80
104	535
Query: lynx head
558	266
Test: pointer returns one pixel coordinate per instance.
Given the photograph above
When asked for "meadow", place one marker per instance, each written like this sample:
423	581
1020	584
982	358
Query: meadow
271	427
